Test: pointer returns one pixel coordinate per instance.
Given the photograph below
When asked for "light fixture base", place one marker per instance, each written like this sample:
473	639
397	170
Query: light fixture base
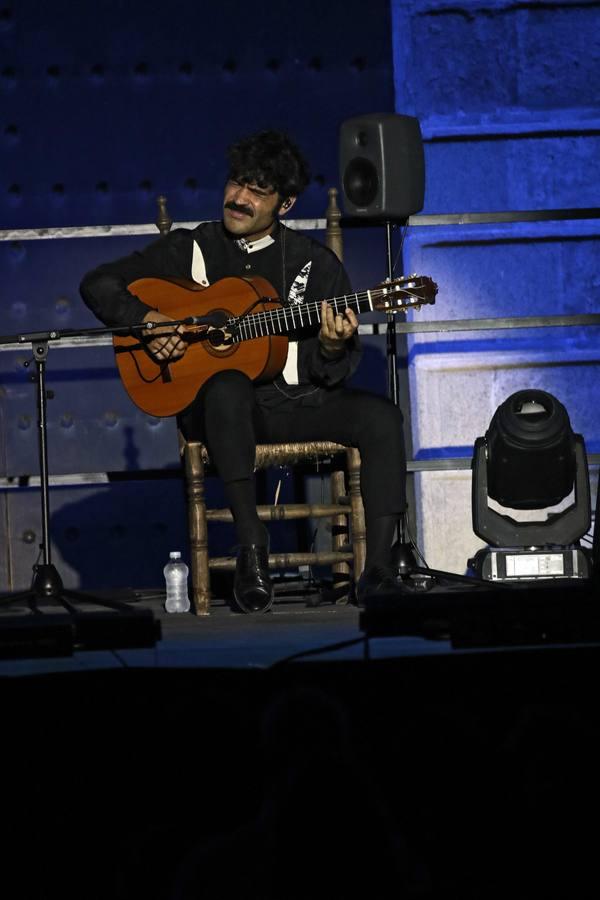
512	564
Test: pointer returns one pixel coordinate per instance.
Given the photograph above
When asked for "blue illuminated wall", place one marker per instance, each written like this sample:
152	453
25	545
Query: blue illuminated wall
507	96
506	93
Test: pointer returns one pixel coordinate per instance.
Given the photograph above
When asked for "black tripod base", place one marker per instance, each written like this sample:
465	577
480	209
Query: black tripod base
46	634
47	583
403	558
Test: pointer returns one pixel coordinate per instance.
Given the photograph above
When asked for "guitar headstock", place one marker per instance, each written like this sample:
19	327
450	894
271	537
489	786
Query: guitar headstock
408	292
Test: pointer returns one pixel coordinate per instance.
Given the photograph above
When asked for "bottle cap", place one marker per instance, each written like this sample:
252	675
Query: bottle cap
175	554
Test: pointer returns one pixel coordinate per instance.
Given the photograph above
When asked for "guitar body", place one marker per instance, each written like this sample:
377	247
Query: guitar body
162	389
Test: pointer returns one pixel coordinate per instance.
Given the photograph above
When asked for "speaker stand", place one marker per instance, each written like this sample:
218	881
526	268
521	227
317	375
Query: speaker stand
404	557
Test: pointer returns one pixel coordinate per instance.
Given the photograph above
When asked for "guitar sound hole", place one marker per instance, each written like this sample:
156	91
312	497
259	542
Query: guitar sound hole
217	337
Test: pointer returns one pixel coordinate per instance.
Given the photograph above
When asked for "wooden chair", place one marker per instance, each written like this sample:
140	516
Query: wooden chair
348	547
347	553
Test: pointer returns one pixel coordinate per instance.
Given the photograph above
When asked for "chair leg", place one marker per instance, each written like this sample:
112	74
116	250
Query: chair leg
357	512
340	534
194	470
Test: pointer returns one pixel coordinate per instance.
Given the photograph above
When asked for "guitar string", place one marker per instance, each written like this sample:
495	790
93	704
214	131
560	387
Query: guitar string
279	316
357	297
274	316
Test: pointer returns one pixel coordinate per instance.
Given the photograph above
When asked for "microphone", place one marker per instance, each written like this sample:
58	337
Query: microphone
216	319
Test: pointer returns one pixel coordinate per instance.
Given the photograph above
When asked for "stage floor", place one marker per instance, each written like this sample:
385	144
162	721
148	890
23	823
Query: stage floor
303	624
297	624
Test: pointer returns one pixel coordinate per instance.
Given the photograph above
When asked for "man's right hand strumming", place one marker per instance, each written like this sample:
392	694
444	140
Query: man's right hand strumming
166	343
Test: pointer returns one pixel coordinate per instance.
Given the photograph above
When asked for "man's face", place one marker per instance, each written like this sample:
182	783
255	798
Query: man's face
249	211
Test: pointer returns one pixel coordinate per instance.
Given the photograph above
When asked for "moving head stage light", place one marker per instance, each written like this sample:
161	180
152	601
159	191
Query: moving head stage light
530	459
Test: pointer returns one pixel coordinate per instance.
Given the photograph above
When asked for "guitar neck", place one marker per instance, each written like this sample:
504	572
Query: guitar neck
301	315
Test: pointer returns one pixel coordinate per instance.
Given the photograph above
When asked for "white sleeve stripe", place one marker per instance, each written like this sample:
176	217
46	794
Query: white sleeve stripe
290	370
198	266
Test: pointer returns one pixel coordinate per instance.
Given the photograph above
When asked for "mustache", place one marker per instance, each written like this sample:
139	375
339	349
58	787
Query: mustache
236	207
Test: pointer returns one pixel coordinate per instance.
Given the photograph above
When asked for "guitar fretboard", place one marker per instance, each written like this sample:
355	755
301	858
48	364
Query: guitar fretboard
302	315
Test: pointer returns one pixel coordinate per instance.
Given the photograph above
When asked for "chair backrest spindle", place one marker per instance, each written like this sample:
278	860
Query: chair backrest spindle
164	220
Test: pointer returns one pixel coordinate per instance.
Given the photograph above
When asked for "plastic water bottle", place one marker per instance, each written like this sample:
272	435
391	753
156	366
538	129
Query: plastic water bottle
176	576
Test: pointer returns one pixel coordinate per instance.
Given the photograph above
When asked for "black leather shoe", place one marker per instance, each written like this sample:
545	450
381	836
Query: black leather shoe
377	580
252	586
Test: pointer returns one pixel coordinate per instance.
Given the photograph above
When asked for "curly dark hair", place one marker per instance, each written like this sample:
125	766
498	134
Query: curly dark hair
269	159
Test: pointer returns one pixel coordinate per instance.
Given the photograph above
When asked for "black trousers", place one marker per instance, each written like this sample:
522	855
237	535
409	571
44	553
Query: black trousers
227	418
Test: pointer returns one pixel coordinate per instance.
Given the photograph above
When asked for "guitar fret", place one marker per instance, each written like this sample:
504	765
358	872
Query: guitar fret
275	321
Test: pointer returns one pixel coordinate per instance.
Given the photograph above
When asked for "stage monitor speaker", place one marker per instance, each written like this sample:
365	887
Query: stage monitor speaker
382	166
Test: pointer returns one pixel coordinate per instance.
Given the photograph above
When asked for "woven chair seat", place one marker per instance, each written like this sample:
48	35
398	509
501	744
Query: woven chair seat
287	454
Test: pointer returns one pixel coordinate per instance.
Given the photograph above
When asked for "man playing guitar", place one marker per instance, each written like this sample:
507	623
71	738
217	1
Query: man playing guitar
308	399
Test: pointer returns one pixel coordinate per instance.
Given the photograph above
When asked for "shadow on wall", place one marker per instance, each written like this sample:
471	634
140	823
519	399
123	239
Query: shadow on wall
119	535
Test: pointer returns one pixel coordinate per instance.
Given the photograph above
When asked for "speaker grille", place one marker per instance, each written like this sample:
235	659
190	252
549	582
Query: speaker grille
361	182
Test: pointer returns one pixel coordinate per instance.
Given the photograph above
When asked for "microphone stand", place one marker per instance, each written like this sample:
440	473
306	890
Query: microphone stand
135	628
404	557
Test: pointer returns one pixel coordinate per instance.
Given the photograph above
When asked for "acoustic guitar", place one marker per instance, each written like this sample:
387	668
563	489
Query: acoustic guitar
236	323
